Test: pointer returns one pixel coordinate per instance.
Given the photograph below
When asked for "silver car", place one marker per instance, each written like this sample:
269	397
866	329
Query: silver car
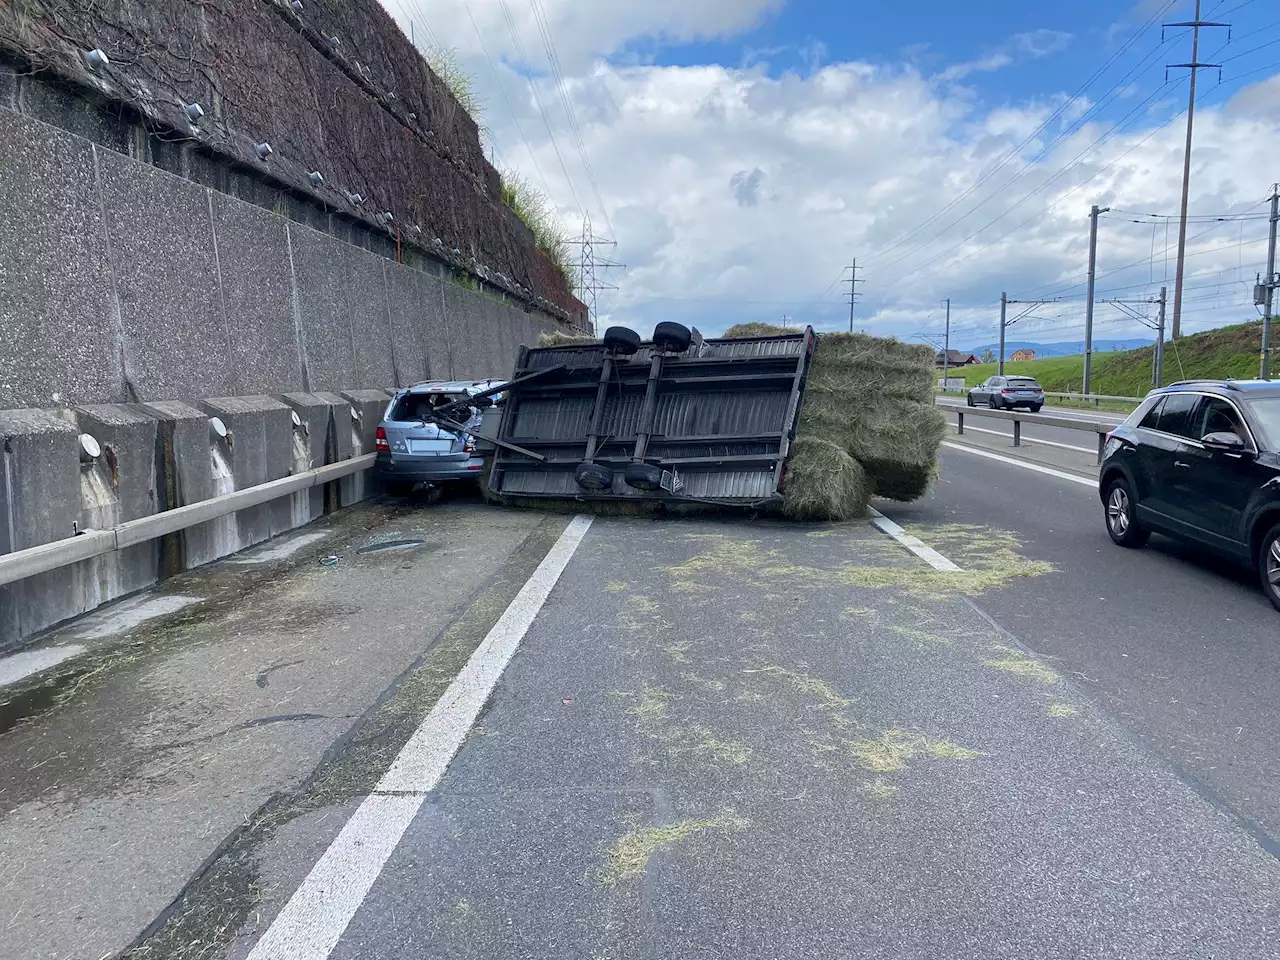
413	450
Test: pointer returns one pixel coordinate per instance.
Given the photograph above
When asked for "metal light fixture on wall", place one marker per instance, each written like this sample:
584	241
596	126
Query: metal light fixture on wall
193	112
296	5
355	199
95	59
263	150
316	178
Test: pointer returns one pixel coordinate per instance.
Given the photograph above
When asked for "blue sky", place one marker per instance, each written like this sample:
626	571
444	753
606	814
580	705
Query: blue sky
740	152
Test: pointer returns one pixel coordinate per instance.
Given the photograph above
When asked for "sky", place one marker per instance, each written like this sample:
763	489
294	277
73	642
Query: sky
741	154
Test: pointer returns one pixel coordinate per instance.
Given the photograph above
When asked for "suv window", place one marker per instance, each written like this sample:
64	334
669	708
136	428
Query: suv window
1152	420
1176	415
1218	416
1267	413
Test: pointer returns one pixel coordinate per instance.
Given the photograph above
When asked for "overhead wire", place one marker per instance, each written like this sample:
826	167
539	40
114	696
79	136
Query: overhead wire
1044	125
562	88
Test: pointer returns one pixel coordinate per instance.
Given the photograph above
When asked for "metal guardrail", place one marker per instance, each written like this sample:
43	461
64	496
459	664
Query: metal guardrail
1095	397
1088	426
94	543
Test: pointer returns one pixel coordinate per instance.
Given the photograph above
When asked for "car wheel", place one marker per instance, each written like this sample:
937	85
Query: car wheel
643	476
1035	407
1121	523
993	403
969	399
1269	565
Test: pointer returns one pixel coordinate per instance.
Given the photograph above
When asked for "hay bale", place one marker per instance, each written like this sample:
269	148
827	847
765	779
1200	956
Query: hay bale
895	440
824	483
742	331
559	338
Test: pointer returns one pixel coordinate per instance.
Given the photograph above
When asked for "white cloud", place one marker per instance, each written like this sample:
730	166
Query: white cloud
736	193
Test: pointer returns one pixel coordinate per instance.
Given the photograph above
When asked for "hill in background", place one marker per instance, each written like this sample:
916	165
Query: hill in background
1067	349
1214	354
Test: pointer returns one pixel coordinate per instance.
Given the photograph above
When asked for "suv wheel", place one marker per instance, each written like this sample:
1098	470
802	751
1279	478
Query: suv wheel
1269	565
1121	523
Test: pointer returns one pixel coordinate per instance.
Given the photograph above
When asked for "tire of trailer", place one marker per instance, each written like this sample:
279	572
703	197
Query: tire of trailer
643	476
593	476
673	336
621	340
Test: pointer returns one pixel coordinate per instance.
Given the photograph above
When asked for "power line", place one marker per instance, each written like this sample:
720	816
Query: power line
533	89
1030	137
553	58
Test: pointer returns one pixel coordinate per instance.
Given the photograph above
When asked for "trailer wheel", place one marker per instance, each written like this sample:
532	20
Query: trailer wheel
643	476
593	476
621	340
673	336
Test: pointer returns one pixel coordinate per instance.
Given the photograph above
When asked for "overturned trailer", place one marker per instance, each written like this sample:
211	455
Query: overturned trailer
677	419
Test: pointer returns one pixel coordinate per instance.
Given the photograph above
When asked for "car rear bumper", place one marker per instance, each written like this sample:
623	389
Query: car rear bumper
417	469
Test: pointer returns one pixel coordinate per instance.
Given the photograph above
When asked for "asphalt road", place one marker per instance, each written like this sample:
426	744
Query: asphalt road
1182	648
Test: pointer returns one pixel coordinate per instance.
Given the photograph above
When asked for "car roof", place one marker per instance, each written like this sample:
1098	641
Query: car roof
453	386
1225	388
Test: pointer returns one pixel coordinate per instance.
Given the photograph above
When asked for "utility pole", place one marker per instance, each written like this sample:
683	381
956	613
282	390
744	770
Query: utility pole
1158	363
1004	309
1004	323
1195	66
946	348
853	282
1088	305
1269	292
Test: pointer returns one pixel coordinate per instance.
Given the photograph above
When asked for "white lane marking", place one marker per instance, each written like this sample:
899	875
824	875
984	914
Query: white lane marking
311	923
19	666
1024	464
283	549
1026	439
129	614
926	553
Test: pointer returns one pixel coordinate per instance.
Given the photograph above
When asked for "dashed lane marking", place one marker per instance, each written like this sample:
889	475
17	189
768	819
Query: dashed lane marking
926	553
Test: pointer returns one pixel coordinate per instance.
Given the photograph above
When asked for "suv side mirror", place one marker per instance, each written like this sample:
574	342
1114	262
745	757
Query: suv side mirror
1223	442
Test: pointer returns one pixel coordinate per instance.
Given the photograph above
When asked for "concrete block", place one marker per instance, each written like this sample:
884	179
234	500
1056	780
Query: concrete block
257	294
478	351
405	317
325	432
58	344
120	485
258	448
166	278
322	286
39	503
433	330
185	475
366	303
370	405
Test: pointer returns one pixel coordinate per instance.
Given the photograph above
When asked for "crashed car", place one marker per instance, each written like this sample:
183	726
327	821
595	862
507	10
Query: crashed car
426	437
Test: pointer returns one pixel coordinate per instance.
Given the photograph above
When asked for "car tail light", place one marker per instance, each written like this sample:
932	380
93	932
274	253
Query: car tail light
1039	389
1006	390
380	441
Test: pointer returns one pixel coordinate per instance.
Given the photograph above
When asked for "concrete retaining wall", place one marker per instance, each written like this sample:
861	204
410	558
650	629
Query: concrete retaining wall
125	283
154	457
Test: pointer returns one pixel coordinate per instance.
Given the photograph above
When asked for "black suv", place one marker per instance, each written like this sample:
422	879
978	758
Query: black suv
1201	461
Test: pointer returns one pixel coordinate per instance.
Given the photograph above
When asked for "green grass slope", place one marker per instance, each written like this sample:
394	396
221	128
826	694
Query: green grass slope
1214	354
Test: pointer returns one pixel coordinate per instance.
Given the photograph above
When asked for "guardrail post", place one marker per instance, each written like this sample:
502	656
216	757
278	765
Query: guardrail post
959	422
1017	433
1102	444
